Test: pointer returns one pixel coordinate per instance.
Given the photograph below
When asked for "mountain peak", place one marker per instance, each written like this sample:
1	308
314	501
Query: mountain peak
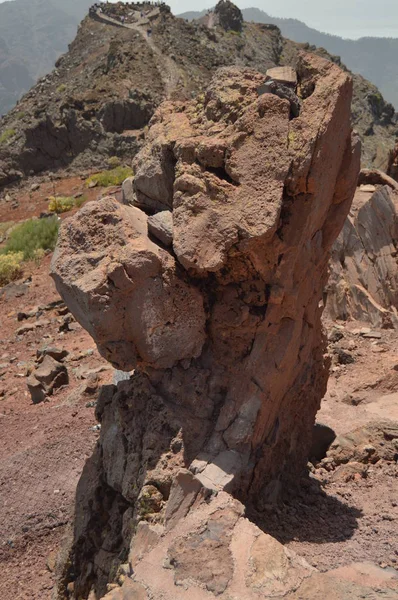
229	16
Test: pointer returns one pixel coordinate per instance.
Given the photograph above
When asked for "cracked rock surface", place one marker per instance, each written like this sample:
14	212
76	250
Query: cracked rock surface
223	327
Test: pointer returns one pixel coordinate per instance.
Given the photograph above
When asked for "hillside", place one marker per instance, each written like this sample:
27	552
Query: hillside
365	56
104	90
33	33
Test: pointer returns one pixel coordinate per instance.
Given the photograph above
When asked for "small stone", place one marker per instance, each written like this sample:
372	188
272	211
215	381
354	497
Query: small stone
344	357
372	335
36	390
364	330
367	188
285	75
22	316
335	335
91	404
26	328
91	384
56	353
51	374
161	226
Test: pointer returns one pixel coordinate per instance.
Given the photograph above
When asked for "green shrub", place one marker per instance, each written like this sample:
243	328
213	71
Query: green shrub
61	88
61	204
20	115
113	177
31	236
5	227
113	162
6	135
10	267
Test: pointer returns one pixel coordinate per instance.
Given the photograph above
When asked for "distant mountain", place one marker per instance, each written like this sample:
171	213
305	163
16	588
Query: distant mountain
374	58
33	33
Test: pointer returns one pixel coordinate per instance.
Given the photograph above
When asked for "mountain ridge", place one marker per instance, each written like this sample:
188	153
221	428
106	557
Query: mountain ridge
362	56
103	92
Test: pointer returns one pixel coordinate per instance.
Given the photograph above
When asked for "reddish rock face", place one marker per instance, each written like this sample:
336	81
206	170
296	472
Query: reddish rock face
223	328
392	168
363	284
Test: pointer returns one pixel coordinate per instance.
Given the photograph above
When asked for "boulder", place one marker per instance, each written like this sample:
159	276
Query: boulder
376	177
49	376
367	444
392	169
363	284
285	75
128	191
161	226
228	16
57	354
223	329
36	390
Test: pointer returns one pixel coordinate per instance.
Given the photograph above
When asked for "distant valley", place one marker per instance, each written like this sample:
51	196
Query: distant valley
33	33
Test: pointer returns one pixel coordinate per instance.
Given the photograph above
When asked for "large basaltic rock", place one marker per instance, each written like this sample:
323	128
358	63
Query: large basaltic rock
364	269
224	329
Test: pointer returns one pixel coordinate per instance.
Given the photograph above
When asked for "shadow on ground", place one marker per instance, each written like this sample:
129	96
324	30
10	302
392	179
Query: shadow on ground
308	514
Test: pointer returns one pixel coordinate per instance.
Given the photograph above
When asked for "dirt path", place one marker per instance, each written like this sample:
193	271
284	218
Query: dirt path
168	72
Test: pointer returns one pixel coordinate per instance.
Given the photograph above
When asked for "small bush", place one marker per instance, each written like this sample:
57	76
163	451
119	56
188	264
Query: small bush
10	267
20	115
61	88
113	177
113	162
5	228
61	204
7	135
31	236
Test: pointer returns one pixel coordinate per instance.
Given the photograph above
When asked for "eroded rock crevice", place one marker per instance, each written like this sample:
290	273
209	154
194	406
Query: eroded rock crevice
223	328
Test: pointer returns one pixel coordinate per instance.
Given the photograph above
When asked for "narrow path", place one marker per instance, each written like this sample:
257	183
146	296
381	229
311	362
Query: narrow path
168	70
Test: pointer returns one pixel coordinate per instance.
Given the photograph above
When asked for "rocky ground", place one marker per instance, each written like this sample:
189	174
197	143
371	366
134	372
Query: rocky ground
43	447
340	515
350	513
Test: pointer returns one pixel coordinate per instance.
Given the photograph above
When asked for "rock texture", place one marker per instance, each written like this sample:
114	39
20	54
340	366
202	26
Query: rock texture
215	552
392	168
223	330
364	270
228	16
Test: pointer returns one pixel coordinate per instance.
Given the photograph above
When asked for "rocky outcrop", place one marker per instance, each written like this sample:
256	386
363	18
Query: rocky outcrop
392	168
215	552
228	16
363	284
376	177
50	374
224	328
